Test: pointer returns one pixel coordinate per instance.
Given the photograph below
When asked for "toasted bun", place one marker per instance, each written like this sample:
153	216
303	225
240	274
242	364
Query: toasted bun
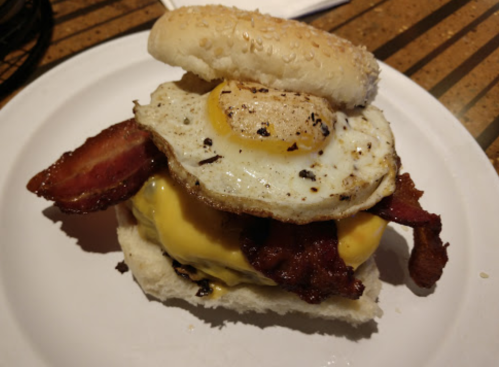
217	42
155	275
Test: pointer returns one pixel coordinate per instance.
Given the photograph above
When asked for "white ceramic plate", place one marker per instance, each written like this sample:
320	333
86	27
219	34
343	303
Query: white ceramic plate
62	303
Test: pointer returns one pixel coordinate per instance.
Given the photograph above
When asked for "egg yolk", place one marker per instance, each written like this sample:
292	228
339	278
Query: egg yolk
257	117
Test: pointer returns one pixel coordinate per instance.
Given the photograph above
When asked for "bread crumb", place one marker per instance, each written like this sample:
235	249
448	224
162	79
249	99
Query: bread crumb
122	267
484	275
190	328
397	310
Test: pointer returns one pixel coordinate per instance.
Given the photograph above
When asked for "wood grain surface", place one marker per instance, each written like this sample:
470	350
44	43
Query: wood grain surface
449	47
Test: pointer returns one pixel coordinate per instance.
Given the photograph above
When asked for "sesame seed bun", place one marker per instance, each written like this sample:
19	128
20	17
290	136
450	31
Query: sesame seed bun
216	42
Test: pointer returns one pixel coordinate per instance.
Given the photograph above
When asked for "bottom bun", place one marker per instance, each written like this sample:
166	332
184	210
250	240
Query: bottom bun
155	274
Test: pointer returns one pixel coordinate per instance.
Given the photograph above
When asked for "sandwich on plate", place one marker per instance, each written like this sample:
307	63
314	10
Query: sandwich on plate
262	180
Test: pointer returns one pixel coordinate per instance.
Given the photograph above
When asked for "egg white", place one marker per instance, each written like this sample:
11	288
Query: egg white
353	171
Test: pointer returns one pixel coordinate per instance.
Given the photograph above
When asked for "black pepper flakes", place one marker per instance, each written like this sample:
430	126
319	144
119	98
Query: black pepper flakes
307	174
292	148
314	189
344	197
226	91
321	152
208	142
263	132
122	267
210	160
324	129
316	122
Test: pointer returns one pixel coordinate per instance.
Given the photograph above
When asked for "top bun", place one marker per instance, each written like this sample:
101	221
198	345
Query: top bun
216	42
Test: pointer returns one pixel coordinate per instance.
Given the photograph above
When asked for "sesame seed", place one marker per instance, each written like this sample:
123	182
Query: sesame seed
310	56
218	52
205	43
289	57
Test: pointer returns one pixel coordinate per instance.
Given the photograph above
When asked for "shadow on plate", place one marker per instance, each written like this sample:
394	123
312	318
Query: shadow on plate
220	318
392	258
94	232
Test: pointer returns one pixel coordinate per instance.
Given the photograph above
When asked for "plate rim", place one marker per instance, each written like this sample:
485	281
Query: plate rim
489	180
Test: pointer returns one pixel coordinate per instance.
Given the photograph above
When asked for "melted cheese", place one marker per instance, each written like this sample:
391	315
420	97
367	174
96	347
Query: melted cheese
359	237
197	235
192	233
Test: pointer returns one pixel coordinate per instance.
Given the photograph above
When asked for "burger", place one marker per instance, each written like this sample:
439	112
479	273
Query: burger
262	180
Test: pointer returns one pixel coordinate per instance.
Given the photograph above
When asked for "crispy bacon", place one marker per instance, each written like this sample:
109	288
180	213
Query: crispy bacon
105	170
112	166
429	254
301	259
304	259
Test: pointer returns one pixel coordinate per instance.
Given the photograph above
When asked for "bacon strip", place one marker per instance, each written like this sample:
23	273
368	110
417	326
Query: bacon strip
105	170
301	259
429	254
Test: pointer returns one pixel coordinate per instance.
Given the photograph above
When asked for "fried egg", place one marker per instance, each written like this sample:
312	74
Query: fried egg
245	148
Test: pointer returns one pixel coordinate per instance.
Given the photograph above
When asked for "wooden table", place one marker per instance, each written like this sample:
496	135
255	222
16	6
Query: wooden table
449	47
